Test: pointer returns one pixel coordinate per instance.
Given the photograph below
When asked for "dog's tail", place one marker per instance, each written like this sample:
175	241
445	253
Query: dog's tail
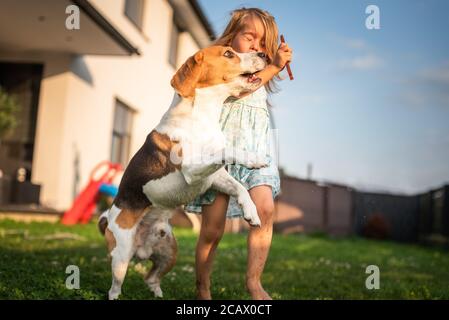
103	222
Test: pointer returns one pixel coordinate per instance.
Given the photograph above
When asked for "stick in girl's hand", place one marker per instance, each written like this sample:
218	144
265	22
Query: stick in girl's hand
290	74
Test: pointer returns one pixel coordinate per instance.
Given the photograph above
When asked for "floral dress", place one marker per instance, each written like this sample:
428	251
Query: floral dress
246	125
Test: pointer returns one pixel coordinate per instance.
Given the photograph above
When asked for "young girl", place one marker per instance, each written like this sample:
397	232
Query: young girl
246	124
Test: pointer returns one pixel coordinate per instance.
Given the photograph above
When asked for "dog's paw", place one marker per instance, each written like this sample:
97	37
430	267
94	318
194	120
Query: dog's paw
113	295
250	213
256	161
158	292
156	288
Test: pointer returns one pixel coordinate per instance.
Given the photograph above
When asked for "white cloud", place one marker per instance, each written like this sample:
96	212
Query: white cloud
351	43
427	87
366	62
413	98
439	75
355	43
362	55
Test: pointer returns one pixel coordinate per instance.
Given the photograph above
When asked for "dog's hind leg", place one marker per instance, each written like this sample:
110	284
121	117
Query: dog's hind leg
123	225
119	267
163	262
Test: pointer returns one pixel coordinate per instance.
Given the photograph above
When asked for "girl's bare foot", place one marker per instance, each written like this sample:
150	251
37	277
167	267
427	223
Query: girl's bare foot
203	294
256	291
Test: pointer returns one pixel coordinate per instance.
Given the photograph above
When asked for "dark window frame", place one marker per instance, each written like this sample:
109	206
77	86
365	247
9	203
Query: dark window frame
173	50
136	21
124	137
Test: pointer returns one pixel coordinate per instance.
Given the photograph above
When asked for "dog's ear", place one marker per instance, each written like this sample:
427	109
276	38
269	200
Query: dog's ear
186	78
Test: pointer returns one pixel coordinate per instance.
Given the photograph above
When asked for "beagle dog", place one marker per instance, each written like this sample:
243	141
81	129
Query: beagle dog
181	158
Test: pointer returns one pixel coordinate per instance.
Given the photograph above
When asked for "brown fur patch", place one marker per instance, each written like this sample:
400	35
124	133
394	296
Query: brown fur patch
102	224
110	240
127	219
186	78
206	68
151	162
174	247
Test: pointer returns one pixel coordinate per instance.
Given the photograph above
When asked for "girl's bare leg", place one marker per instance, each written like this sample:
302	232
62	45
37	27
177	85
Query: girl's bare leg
212	227
259	241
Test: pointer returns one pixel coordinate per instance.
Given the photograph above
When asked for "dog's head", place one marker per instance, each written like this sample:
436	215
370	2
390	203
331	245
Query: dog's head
219	65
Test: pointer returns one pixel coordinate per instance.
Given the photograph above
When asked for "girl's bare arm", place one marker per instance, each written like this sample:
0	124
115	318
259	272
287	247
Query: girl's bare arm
283	55
265	75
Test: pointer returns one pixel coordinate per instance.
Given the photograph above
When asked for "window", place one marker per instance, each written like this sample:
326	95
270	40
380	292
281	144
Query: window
174	41
134	11
121	133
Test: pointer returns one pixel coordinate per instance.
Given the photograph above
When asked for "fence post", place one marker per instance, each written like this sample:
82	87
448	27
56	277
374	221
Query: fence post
446	215
325	208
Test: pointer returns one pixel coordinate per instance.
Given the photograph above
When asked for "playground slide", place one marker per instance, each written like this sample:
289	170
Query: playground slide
84	205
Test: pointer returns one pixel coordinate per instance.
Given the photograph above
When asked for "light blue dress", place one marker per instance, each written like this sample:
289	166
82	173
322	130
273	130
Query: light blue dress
246	125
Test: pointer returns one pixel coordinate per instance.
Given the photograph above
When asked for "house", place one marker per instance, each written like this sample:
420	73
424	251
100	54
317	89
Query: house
87	94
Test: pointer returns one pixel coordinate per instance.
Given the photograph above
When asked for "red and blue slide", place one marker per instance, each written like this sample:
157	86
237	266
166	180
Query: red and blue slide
84	205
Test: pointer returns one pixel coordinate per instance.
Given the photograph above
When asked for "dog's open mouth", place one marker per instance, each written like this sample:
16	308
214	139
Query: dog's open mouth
251	77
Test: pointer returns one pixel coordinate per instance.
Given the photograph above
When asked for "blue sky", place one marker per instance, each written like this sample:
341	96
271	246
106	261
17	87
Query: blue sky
368	108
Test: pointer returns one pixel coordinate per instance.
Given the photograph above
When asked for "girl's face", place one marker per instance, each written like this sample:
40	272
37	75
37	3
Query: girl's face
251	38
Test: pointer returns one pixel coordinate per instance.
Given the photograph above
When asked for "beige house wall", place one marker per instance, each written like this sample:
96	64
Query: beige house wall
78	94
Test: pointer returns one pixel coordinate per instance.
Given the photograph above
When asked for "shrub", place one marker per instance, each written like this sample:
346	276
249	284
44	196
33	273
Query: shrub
377	227
8	109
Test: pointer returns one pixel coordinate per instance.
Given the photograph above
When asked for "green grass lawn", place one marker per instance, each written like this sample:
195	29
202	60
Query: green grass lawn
33	260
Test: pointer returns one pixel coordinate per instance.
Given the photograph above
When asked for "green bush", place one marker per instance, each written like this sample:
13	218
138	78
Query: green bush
8	110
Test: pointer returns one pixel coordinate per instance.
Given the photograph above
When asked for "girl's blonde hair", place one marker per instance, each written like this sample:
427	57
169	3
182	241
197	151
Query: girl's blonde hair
271	34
